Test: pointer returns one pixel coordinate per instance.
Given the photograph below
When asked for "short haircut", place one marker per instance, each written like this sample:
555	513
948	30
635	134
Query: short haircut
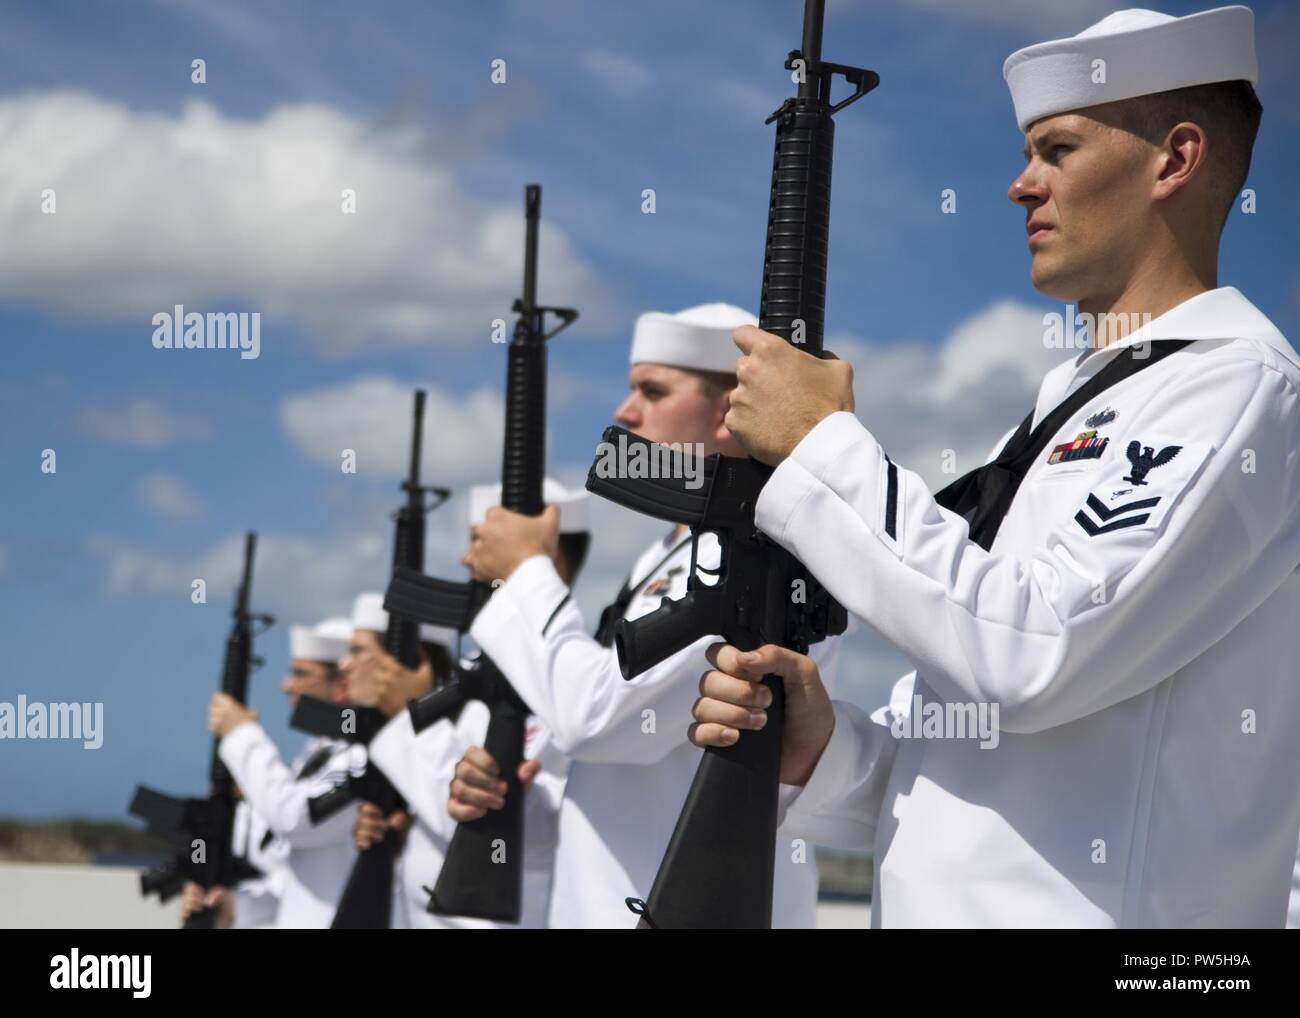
714	383
1228	111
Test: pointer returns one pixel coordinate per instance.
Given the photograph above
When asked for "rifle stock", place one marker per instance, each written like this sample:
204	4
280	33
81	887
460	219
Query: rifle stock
484	874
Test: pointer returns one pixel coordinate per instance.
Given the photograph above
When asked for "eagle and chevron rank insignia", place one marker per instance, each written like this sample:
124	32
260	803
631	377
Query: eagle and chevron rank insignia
1085	446
1119	503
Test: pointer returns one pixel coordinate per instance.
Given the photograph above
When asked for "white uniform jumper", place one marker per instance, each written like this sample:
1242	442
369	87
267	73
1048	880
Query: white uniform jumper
320	857
1136	622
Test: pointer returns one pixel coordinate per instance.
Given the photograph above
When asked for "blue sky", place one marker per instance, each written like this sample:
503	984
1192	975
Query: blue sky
225	196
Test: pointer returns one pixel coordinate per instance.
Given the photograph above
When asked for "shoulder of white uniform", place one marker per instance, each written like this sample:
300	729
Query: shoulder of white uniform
1253	349
1277	356
1254	336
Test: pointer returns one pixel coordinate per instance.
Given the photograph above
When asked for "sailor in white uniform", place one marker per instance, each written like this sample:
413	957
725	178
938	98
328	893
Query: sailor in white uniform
320	856
421	765
1130	609
631	764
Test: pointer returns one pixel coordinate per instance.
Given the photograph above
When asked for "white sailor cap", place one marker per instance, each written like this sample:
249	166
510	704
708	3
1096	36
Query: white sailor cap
1141	52
697	338
368	613
323	642
572	504
338	627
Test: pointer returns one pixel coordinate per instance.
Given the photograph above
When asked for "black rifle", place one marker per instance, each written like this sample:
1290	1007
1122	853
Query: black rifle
367	899
718	869
482	874
200	829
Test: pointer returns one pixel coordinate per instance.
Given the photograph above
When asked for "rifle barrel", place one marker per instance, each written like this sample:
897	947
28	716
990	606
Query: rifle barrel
532	214
417	437
246	584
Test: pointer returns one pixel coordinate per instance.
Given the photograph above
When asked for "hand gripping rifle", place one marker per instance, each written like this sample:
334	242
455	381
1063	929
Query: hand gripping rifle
201	829
366	902
482	874
718	869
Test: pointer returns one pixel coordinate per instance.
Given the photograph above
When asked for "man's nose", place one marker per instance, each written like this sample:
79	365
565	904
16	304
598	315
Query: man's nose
1027	189
286	684
628	414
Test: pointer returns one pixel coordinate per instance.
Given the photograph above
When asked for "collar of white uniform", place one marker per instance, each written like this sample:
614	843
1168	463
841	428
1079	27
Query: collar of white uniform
1223	313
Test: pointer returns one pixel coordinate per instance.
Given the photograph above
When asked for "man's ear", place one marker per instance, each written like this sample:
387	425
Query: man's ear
1182	158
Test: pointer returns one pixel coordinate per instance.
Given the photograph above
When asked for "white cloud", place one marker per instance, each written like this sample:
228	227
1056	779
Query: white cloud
962	396
372	416
201	208
168	496
293	577
143	421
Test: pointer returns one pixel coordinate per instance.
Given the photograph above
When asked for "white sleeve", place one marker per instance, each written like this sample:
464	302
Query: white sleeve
535	634
1100	612
392	750
271	790
839	805
256	903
